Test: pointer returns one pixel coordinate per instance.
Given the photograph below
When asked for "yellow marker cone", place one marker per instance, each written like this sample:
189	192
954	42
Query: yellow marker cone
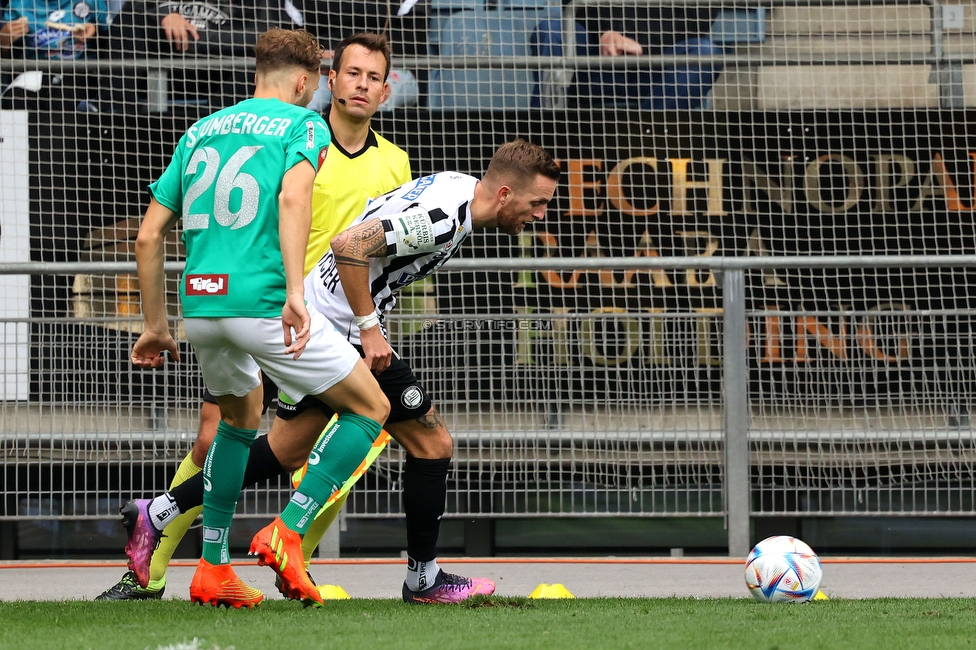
551	591
333	592
820	595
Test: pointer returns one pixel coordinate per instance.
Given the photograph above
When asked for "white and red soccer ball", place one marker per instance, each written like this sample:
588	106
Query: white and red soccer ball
783	569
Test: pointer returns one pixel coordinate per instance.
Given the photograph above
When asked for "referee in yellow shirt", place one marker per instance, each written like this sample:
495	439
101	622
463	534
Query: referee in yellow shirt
361	164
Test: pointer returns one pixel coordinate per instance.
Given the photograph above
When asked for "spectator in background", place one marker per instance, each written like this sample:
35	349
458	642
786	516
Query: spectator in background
202	29
626	31
53	29
403	22
221	28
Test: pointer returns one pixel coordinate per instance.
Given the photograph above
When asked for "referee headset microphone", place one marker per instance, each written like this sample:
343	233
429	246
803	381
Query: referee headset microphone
338	99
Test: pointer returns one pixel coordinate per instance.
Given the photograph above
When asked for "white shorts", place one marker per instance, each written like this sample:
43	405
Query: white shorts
232	350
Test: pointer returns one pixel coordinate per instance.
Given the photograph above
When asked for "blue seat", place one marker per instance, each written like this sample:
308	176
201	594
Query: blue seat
456	5
485	34
739	26
526	4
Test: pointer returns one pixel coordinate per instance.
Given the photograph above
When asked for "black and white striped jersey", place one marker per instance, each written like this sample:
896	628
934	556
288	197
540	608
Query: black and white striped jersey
425	222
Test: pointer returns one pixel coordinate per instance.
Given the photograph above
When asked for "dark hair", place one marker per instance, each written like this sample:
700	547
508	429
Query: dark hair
278	48
369	40
520	161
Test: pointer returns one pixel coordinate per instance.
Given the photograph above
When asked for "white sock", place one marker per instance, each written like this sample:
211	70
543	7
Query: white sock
421	575
163	510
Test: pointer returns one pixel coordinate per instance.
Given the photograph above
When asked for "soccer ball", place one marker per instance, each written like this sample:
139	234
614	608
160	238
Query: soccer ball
783	569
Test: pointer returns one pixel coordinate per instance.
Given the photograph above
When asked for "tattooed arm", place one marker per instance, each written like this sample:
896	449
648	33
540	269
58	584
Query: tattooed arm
353	249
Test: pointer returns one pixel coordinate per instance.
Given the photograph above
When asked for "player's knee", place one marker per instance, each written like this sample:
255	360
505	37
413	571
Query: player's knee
378	407
199	452
292	462
291	457
206	432
444	444
437	445
292	439
425	437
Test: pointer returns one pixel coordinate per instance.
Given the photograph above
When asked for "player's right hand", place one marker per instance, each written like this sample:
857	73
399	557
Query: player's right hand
148	350
296	323
616	44
13	31
377	352
178	31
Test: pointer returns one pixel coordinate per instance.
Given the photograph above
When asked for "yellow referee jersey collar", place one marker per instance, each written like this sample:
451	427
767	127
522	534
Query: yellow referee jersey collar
371	141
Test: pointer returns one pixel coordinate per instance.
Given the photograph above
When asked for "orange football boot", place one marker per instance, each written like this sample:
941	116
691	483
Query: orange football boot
281	549
217	584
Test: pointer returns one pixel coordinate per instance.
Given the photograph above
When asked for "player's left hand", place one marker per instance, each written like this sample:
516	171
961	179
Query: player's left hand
377	352
148	350
83	32
179	31
295	319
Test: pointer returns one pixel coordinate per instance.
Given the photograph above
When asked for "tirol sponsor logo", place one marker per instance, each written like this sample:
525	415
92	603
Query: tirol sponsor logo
207	285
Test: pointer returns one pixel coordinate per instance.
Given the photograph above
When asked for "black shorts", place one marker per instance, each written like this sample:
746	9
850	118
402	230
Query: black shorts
270	394
408	399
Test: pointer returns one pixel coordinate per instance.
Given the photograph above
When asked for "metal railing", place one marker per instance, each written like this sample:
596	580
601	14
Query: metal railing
581	414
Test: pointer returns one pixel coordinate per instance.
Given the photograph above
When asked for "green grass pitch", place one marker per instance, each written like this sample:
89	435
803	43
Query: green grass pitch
494	623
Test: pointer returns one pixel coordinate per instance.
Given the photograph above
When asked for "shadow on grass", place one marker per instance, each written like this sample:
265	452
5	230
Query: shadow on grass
478	602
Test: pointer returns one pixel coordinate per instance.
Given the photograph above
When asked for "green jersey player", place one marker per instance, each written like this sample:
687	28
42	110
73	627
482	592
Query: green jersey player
241	180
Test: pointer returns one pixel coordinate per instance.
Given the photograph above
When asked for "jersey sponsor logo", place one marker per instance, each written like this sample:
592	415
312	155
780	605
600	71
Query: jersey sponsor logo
50	38
326	439
411	397
414	229
214	535
214	284
418	189
406	278
309	134
82	9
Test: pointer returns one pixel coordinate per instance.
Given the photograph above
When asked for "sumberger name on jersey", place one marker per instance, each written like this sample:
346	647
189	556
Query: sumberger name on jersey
238	123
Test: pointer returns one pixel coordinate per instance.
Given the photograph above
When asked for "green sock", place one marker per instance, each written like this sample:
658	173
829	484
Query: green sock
334	458
223	472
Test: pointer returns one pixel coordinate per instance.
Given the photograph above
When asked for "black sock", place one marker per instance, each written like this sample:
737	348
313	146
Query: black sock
262	465
424	496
